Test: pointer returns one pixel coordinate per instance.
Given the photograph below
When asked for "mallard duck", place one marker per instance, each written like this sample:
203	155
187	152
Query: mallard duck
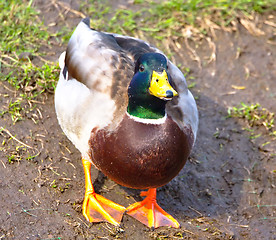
127	109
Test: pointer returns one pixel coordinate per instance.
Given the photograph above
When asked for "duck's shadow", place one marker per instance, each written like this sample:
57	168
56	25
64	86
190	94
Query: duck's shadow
213	182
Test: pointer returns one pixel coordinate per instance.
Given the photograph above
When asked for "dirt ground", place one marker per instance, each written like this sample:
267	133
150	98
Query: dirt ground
225	191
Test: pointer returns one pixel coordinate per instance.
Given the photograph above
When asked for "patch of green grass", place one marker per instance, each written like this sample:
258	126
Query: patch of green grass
127	20
64	34
22	35
21	31
15	109
168	18
174	15
97	10
254	114
30	78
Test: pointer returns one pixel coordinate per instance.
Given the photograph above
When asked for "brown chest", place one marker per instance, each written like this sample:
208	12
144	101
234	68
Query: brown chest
139	155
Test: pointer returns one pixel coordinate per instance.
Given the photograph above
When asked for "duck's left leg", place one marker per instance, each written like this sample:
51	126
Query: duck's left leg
150	213
95	207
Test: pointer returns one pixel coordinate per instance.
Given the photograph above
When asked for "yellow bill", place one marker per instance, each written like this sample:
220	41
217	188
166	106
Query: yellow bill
160	86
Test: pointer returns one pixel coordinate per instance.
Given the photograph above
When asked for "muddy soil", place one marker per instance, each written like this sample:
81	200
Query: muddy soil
225	191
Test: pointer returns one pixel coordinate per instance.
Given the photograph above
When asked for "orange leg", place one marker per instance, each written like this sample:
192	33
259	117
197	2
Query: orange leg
95	207
150	213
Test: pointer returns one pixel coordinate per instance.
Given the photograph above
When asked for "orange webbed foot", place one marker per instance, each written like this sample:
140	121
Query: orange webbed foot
97	208
150	213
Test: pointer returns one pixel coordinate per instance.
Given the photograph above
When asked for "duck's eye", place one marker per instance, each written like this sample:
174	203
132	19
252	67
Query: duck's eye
157	80
141	68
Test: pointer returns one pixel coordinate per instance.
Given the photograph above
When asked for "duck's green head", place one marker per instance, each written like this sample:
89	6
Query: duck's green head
150	87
